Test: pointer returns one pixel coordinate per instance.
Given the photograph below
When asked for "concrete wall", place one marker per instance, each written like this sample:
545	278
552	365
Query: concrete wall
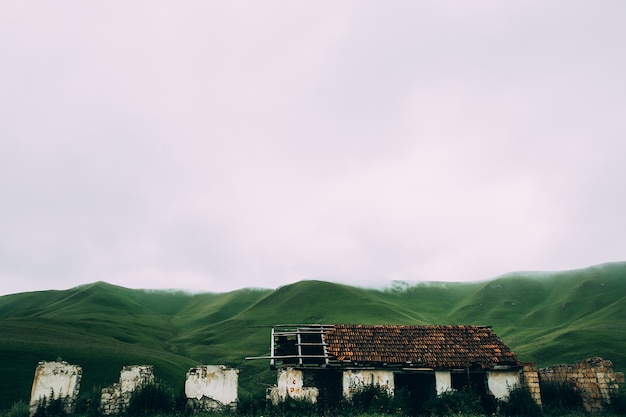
115	399
593	378
354	380
53	381
211	387
290	384
500	383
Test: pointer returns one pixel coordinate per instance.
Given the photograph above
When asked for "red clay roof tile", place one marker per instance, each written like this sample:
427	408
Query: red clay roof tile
430	346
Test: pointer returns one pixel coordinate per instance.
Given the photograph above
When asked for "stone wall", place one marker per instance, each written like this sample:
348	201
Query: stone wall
211	387
594	379
115	399
54	381
530	378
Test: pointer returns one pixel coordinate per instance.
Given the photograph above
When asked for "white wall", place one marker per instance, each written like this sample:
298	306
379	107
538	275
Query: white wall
355	380
54	380
500	383
216	382
290	383
136	376
443	381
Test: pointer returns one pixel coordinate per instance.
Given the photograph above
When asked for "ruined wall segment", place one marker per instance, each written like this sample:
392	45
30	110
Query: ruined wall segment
116	398
54	381
355	380
290	384
594	379
530	378
501	382
211	387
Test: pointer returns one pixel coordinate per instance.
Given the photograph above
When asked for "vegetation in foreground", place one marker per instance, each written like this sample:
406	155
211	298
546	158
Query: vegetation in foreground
158	400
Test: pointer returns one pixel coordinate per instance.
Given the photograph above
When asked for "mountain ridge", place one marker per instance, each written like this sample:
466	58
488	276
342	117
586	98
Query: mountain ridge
547	318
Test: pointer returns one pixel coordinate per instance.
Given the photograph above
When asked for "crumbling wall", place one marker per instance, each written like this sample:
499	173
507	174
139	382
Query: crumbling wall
594	379
530	378
116	398
290	384
500	382
211	387
356	380
54	381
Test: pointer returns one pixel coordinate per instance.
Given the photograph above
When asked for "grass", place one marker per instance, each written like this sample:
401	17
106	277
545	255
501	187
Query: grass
548	318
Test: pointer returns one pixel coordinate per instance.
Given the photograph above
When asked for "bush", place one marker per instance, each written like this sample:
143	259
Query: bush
294	408
19	409
88	404
618	404
151	399
372	399
51	408
252	406
560	398
449	403
520	403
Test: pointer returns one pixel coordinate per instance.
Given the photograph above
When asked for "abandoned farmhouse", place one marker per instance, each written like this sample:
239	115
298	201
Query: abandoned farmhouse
334	360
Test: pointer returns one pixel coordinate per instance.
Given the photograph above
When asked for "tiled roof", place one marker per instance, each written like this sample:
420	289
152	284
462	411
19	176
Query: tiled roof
427	346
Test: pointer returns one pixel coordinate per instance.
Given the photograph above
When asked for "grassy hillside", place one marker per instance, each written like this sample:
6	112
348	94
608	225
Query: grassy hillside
547	318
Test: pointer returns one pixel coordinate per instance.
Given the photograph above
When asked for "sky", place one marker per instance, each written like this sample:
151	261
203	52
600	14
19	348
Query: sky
211	146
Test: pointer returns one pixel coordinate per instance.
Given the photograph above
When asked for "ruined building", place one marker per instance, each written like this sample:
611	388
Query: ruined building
333	361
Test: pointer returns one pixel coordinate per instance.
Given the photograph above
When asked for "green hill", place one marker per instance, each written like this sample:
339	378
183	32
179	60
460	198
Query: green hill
548	318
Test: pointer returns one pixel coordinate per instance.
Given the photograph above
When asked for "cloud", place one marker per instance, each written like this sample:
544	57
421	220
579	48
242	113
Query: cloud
213	146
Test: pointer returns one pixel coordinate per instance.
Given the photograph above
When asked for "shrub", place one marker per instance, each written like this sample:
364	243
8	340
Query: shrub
252	406
520	403
51	408
560	398
294	408
18	409
370	399
464	401
151	399
180	403
618	404
88	404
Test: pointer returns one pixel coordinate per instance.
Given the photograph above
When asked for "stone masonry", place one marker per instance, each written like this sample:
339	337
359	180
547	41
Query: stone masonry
530	378
116	398
593	378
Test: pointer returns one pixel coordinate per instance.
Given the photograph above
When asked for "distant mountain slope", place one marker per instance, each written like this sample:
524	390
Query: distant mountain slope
544	317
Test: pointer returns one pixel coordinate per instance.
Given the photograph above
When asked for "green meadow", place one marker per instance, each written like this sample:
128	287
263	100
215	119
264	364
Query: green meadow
548	318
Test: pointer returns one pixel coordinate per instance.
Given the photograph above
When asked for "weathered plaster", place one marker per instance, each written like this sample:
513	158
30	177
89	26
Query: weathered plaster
212	386
500	383
354	380
290	385
53	381
136	376
443	381
116	398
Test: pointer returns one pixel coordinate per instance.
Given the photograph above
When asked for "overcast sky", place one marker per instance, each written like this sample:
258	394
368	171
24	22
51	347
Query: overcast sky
211	146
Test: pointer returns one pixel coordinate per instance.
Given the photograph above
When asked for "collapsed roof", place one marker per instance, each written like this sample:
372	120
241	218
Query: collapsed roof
437	347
